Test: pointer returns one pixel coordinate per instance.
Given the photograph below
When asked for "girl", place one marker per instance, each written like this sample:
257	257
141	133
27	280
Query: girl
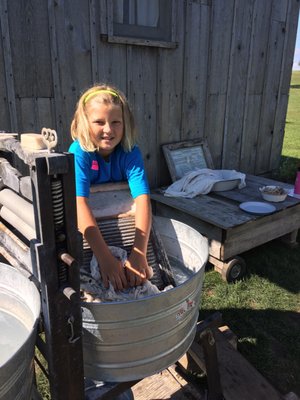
103	131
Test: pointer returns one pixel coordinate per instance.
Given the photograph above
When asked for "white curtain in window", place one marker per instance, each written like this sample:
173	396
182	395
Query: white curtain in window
137	12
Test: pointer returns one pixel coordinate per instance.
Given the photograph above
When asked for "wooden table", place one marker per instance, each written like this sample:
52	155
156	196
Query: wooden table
230	230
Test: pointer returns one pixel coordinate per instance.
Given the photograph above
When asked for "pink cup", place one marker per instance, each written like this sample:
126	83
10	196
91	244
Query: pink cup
297	183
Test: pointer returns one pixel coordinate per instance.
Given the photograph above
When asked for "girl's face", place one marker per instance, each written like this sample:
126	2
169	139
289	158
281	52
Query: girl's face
106	126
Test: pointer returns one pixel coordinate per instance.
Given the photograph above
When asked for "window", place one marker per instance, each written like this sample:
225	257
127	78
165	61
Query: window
141	22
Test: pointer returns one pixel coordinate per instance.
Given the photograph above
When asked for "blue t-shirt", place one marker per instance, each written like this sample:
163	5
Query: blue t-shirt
92	169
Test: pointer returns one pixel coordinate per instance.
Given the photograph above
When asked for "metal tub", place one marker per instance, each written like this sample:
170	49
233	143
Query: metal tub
19	314
124	341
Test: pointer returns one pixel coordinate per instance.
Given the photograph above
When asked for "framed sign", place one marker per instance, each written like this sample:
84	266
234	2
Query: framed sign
184	157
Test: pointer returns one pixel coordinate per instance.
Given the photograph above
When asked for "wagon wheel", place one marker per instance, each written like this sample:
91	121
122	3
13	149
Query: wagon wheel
234	269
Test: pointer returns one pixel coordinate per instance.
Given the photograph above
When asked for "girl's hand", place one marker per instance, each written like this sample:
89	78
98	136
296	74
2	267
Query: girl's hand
112	271
137	268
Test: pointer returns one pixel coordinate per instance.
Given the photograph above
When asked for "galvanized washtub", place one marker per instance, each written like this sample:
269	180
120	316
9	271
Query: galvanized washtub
124	341
19	314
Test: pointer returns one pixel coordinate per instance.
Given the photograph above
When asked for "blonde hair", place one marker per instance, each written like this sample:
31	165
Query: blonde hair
107	95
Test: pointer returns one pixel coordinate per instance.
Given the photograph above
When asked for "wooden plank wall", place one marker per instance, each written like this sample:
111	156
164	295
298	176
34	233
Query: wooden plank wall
227	80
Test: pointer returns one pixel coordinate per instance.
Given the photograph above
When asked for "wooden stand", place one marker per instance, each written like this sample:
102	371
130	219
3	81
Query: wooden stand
217	214
213	353
229	374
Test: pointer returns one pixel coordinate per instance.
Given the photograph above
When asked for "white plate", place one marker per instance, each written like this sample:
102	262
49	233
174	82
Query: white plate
257	207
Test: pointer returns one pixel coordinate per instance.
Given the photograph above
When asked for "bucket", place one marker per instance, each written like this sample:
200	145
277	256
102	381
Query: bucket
124	341
19	314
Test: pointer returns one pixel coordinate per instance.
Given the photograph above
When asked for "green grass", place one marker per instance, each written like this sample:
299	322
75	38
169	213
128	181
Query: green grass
291	144
263	310
290	159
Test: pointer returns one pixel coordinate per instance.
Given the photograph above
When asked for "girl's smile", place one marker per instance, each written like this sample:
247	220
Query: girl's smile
106	126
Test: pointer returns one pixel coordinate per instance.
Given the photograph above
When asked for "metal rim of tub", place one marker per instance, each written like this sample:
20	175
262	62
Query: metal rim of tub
16	378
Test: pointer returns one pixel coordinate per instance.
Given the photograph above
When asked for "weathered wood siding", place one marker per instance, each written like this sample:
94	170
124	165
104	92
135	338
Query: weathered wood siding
227	80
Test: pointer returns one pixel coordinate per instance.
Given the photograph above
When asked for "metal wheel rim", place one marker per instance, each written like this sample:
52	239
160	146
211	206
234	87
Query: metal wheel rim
235	271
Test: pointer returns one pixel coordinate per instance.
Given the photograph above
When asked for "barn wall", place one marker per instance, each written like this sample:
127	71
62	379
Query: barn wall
226	80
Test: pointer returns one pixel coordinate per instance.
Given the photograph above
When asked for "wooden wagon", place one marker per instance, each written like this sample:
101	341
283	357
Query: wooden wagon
218	214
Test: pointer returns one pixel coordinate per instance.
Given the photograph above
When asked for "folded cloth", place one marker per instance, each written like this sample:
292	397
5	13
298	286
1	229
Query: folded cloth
93	290
201	181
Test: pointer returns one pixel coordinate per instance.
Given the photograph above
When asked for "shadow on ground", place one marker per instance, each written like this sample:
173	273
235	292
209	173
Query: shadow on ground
263	341
278	262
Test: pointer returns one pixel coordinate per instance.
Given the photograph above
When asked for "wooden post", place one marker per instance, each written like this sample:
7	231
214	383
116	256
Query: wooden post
53	181
211	361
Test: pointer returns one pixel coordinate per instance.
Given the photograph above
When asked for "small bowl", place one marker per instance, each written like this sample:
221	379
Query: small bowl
228	184
274	194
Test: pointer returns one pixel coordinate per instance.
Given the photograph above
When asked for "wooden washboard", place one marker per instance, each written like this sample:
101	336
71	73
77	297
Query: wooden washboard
114	210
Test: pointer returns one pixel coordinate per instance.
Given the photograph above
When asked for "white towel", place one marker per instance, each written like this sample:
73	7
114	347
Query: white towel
201	181
93	290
